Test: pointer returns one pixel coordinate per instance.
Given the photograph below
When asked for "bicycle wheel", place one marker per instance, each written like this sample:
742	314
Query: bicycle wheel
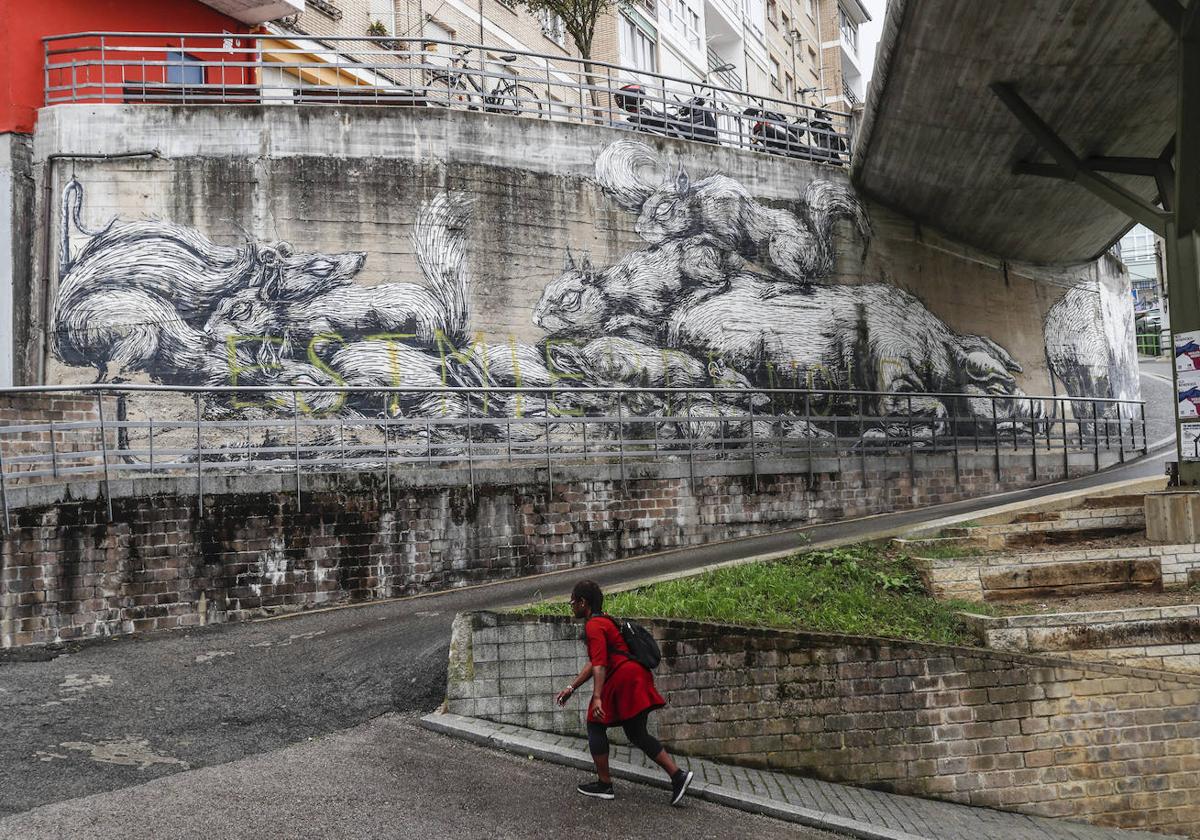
446	90
510	98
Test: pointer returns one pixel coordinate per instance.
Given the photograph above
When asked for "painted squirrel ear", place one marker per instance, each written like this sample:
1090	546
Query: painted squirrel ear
569	262
586	265
682	182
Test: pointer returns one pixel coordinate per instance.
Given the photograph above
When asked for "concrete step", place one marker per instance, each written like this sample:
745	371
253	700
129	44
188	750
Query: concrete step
1042	580
1165	637
1054	527
1013	575
1125	500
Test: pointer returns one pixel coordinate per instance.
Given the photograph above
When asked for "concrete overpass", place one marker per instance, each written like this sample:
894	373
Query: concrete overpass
1040	130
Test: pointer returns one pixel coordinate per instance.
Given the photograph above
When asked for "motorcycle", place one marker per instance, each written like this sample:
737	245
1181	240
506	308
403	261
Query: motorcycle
800	138
693	120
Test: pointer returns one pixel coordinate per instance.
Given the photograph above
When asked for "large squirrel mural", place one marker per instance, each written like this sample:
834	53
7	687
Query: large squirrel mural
725	293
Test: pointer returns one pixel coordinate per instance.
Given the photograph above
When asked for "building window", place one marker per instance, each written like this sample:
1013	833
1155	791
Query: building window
774	73
637	48
811	8
383	11
772	12
183	69
553	27
785	23
789	87
849	29
755	12
693	27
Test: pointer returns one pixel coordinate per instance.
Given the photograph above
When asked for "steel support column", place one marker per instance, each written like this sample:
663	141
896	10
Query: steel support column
1183	232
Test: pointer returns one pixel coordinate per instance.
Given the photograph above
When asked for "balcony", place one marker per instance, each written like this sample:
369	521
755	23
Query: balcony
219	69
256	11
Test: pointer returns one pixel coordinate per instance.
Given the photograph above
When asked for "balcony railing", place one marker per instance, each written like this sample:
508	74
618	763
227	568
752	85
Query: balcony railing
207	433
220	69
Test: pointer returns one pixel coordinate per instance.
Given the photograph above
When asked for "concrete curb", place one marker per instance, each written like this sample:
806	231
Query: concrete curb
460	727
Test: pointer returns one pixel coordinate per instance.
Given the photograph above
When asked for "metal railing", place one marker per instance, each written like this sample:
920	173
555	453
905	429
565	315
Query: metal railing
220	69
1149	344
104	432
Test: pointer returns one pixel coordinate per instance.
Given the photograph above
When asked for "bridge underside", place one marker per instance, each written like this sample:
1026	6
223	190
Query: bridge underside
942	145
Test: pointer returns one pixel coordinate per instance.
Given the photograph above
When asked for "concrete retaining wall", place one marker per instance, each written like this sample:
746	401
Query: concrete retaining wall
1098	743
928	314
67	572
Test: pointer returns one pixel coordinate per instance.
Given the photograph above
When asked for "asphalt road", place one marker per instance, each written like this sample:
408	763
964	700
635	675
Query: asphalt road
387	779
116	713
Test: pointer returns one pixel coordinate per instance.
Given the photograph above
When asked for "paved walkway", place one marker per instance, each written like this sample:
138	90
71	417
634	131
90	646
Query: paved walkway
855	812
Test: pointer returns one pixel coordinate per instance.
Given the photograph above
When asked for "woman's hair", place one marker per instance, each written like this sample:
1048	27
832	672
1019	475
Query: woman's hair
589	591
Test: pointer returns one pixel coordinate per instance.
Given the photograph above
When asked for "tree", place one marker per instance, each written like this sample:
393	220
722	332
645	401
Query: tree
579	18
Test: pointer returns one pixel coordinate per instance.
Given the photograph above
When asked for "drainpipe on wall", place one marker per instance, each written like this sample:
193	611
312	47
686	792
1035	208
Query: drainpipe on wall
47	223
821	58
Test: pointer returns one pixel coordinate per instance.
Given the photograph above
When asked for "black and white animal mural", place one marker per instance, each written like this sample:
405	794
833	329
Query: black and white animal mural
719	291
1090	348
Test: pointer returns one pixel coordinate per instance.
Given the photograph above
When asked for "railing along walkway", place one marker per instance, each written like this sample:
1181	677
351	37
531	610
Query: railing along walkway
271	69
105	432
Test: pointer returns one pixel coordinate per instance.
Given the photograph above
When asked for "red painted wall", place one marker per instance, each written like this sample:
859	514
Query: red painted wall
23	23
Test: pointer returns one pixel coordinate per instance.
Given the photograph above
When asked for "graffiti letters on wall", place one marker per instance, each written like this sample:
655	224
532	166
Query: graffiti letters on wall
720	291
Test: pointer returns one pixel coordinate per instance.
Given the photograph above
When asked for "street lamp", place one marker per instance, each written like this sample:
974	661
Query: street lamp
721	68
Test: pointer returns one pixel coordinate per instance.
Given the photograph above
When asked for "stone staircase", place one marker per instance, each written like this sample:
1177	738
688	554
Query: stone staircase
1096	518
1086	547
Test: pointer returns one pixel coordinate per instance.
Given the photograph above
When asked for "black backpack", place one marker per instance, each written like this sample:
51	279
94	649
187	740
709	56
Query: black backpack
643	648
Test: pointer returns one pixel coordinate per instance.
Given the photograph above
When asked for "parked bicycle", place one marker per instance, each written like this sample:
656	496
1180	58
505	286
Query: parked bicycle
462	86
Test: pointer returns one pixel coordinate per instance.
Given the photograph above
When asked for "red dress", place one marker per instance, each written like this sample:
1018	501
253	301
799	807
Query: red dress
628	686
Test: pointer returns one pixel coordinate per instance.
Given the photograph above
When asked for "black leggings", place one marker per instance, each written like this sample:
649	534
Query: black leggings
635	731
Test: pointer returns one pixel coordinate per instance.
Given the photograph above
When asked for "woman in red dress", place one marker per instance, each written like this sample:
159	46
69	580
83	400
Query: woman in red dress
623	693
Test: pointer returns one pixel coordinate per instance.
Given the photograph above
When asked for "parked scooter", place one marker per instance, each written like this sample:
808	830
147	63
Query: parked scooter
802	138
773	133
693	120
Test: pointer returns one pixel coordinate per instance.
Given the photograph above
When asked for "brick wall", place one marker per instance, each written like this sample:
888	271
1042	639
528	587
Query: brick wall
1098	743
60	444
68	572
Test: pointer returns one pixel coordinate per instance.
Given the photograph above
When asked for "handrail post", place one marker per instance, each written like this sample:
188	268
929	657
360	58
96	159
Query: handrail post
1145	443
4	488
621	435
996	438
53	452
691	447
470	452
912	456
754	448
296	444
104	454
1032	442
199	462
387	453
1095	439
808	441
549	466
1066	447
862	441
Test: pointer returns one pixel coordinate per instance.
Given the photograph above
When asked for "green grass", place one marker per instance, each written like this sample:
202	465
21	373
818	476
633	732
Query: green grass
861	589
945	551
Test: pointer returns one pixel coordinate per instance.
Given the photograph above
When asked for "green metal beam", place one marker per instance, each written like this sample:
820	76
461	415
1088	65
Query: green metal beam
1183	237
1074	169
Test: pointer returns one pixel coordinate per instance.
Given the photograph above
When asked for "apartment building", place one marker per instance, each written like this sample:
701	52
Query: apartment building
798	50
844	83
